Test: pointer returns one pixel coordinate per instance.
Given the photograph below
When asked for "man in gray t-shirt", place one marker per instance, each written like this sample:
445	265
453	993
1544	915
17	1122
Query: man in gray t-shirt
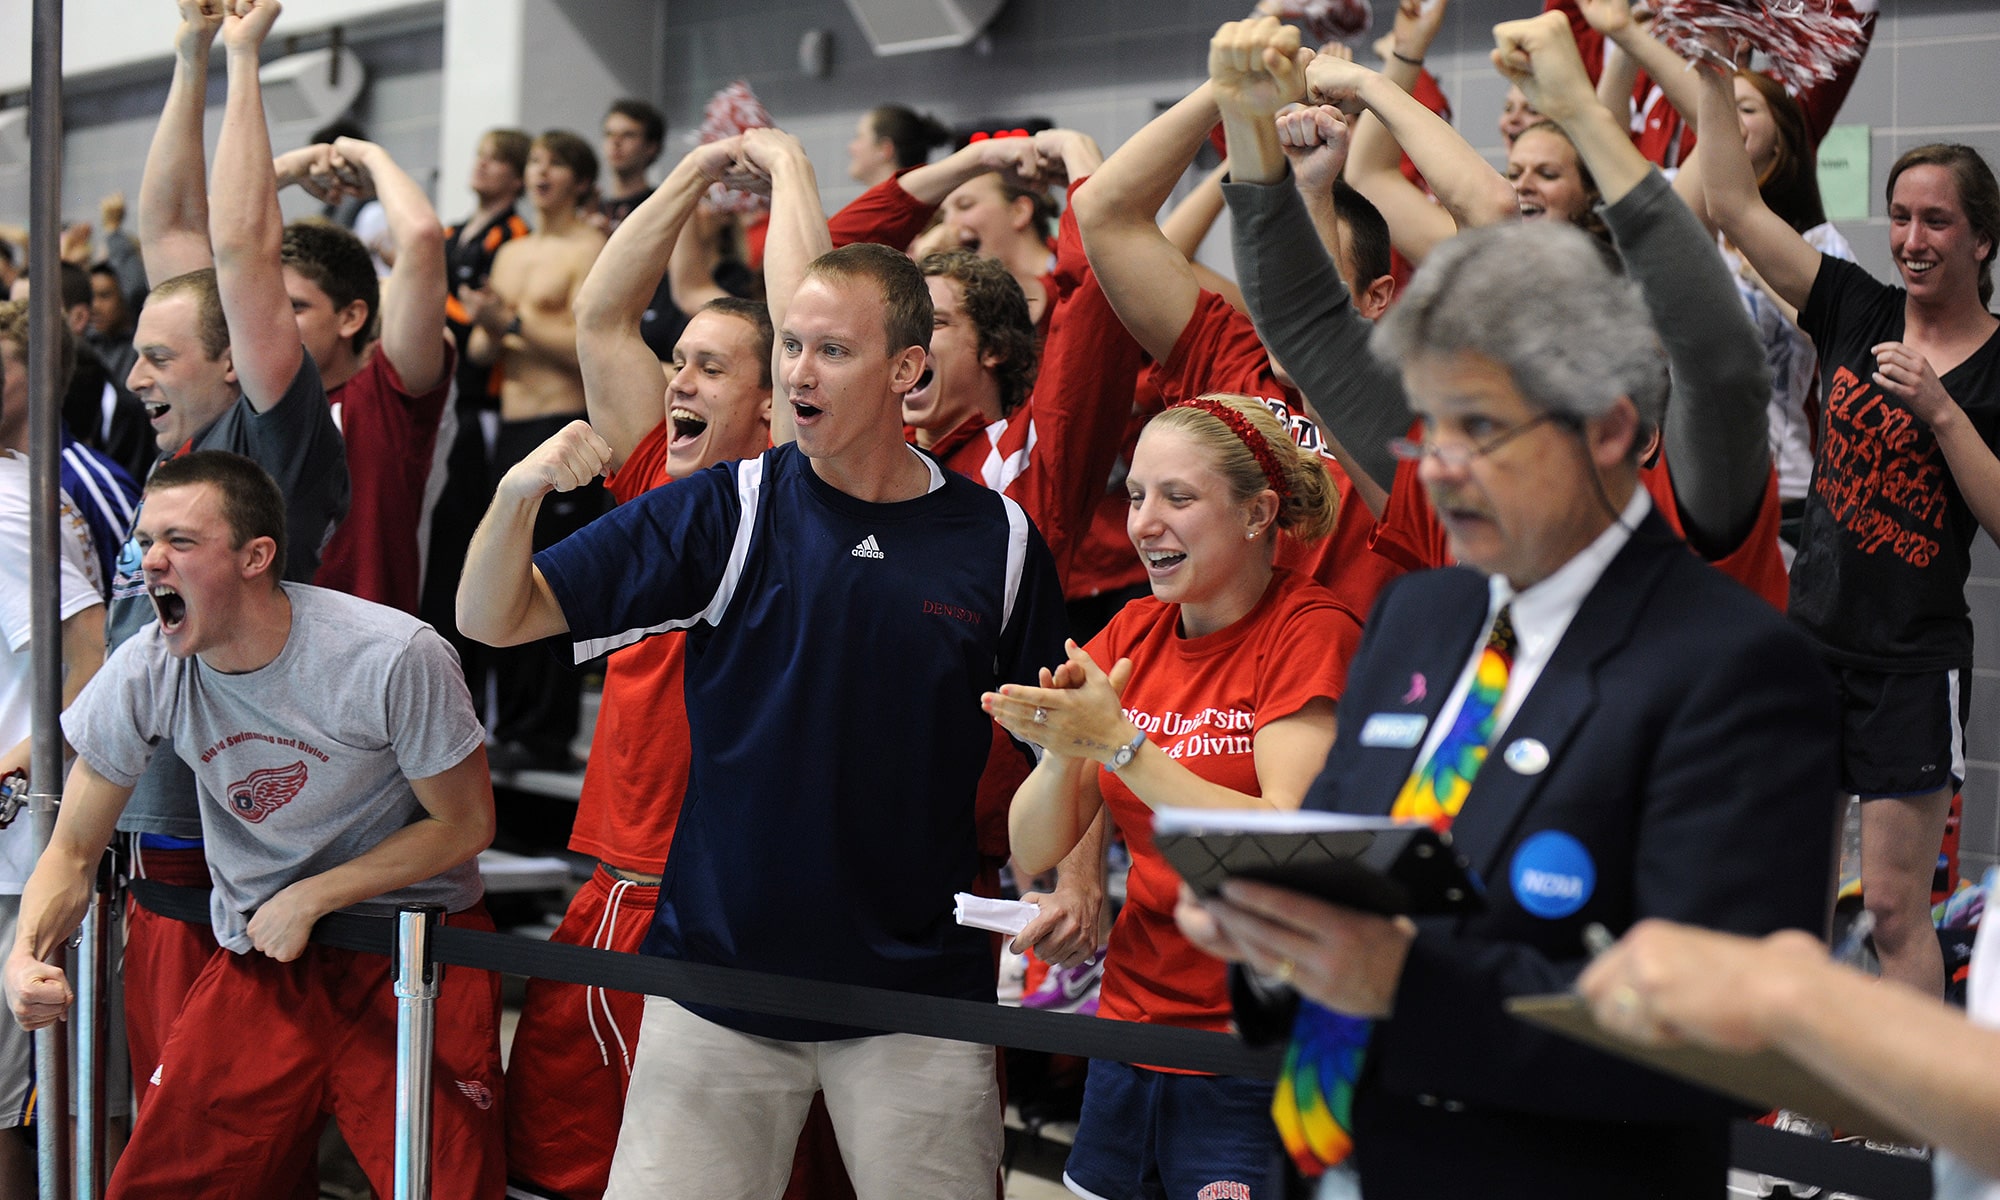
342	769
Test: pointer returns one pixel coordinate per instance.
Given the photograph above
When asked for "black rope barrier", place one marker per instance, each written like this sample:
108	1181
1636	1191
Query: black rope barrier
865	1008
1861	1172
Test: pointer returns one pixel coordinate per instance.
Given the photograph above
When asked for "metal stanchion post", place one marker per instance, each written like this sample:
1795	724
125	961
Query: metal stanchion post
93	978
45	132
51	1060
416	1026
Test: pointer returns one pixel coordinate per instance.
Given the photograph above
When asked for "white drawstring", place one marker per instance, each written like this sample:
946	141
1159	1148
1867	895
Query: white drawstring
607	928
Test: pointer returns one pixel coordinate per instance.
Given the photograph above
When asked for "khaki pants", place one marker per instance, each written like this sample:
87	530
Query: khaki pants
713	1113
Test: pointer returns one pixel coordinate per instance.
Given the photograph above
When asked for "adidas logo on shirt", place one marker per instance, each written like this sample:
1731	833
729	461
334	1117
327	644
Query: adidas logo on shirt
867	548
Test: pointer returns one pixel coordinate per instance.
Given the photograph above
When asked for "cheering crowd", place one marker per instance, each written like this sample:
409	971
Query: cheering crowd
1600	513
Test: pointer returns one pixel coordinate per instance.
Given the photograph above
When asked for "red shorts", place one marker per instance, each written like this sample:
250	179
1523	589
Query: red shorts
163	957
262	1049
572	1051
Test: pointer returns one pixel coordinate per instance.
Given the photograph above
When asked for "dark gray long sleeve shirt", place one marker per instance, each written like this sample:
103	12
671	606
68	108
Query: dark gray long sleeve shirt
1307	320
1715	427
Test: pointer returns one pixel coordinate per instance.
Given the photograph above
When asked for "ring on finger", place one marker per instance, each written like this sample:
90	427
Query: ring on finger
1041	716
1284	971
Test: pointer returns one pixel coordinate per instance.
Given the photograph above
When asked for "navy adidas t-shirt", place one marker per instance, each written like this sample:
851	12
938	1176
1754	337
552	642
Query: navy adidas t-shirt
836	653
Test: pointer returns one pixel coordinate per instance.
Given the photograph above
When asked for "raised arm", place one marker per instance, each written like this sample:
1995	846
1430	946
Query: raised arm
622	382
1149	283
414	294
173	191
1375	161
121	250
798	235
502	598
1539	56
245	227
696	254
1467	187
1787	261
1189	222
931	183
1614	19
1716	428
1416	27
1296	297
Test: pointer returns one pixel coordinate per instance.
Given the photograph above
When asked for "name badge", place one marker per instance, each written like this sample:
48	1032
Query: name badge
1398	731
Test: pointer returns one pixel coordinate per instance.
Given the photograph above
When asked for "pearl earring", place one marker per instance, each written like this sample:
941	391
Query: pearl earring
1250	536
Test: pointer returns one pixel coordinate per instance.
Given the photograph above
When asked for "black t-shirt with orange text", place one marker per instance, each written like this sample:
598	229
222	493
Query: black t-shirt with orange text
1886	546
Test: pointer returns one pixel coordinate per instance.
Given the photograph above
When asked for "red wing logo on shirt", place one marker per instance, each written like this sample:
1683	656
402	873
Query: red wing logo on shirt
265	791
480	1095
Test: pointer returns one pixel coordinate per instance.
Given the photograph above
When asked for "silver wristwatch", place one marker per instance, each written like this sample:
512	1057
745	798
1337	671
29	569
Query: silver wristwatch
1126	753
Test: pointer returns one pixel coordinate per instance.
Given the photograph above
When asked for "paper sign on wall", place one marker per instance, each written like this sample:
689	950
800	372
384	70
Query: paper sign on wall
1843	172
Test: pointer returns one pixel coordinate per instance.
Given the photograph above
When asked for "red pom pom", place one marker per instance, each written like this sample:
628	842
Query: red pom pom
1807	41
1324	20
731	111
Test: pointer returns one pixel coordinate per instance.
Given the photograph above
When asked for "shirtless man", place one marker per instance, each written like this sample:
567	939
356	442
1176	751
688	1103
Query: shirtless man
522	320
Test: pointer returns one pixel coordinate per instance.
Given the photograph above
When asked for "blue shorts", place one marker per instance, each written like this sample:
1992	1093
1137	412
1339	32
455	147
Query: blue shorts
1149	1135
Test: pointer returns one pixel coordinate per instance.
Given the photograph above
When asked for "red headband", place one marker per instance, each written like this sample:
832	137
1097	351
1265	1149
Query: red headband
1247	434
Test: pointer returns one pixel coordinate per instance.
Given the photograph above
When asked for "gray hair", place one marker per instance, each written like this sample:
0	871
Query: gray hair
1537	298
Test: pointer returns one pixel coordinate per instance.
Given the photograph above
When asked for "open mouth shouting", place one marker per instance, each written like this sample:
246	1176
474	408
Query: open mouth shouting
688	426
156	410
171	607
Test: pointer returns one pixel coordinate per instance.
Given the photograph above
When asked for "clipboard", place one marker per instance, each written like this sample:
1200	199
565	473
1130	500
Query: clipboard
1386	867
1767	1079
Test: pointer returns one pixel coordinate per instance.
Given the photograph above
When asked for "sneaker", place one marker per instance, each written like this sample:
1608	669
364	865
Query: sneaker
1013	973
1898	1149
1787	1121
1069	989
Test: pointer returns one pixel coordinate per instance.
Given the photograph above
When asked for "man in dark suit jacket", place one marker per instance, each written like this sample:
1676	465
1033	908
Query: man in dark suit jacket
1664	746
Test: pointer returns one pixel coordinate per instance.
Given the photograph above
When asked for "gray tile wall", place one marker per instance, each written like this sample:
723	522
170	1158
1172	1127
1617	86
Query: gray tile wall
1103	66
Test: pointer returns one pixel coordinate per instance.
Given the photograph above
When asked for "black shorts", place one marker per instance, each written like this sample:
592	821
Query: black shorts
1902	733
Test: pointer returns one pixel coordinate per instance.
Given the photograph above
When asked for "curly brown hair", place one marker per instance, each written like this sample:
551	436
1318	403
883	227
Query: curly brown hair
994	303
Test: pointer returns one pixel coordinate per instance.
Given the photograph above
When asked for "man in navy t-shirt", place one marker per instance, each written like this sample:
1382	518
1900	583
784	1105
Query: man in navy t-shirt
846	602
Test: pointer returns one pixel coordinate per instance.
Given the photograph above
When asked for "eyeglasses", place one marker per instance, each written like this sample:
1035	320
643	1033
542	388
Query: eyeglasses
1459	454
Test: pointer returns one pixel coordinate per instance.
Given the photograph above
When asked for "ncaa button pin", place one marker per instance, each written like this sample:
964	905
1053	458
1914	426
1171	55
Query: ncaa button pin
1526	756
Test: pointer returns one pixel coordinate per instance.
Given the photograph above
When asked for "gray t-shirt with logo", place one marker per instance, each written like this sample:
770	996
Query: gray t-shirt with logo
304	763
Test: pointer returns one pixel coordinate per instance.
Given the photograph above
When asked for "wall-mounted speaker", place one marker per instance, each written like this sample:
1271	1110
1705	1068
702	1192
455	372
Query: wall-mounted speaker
907	26
312	87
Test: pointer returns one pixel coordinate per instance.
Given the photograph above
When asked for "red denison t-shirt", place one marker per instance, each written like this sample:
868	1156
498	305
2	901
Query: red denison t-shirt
638	770
1203	700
